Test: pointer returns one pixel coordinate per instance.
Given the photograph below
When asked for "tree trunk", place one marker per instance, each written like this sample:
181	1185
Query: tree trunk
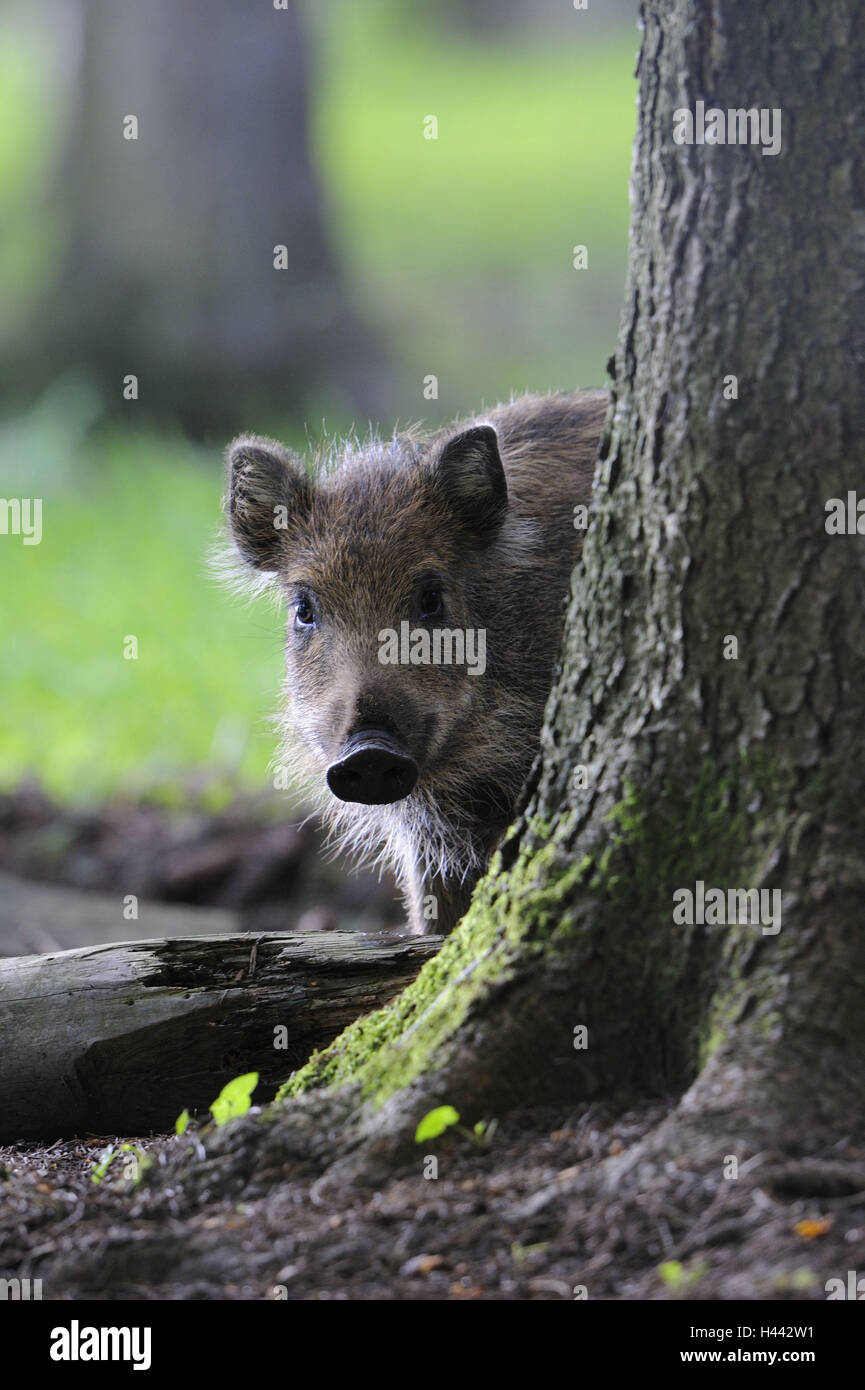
120	1039
169	270
666	761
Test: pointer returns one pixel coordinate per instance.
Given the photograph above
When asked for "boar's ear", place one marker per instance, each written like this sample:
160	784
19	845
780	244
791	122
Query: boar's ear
267	486
470	475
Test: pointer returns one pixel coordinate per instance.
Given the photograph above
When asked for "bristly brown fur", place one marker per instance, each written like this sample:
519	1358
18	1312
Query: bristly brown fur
377	517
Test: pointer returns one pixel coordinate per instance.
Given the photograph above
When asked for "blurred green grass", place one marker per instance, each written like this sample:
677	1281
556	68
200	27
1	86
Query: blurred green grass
459	248
125	553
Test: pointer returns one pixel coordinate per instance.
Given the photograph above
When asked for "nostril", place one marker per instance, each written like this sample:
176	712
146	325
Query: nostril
373	771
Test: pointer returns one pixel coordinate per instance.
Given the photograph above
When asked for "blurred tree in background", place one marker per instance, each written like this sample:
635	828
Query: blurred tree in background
168	272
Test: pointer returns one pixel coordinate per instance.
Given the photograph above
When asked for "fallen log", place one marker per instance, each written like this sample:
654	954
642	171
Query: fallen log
119	1039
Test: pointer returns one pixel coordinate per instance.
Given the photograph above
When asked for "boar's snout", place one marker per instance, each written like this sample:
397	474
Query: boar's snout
373	769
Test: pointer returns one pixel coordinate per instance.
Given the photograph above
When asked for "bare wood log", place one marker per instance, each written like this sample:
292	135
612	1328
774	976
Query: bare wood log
119	1039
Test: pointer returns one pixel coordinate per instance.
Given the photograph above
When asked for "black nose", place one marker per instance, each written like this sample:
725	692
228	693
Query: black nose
373	769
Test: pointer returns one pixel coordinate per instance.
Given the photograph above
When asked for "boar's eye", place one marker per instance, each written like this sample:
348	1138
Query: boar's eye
304	613
430	603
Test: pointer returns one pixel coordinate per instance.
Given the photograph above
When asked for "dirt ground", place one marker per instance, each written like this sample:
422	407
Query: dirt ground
551	1208
273	874
534	1216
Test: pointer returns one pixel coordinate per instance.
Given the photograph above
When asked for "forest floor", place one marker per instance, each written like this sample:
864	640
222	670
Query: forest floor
534	1216
559	1204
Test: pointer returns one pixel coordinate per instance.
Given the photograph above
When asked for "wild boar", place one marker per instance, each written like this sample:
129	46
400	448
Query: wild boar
425	577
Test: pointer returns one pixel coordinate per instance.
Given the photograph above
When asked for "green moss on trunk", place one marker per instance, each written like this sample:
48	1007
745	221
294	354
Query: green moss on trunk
594	912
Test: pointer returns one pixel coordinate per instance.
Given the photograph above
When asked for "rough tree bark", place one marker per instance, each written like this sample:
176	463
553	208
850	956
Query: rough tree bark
709	523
